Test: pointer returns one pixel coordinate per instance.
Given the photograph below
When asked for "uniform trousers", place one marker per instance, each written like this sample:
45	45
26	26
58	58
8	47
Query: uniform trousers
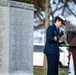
52	63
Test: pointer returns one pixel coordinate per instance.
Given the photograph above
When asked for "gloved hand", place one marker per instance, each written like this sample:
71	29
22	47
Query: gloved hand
61	34
56	38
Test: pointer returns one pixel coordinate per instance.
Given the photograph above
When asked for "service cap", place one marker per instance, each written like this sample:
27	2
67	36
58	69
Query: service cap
61	18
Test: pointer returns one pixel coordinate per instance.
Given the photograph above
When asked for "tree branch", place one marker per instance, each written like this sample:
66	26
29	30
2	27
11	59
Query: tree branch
39	26
71	11
58	9
39	17
52	14
65	4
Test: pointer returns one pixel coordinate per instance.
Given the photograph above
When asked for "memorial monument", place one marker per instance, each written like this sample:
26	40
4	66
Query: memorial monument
16	38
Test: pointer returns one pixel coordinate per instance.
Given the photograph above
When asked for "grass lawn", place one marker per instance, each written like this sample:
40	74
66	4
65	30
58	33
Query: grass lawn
40	71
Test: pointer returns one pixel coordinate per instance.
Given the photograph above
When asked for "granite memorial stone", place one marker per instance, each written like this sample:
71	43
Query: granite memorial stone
16	38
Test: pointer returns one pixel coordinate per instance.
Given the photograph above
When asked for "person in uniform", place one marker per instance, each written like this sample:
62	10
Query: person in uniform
51	48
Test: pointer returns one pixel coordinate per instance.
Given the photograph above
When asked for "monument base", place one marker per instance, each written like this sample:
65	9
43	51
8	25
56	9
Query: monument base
16	74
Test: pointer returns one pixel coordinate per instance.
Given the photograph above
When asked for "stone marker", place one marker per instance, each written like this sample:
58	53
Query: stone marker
16	38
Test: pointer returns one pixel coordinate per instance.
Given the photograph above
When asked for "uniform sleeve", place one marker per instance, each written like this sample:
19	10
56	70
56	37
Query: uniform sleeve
50	34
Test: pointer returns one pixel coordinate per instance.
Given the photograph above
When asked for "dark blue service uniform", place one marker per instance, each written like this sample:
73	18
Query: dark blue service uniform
51	49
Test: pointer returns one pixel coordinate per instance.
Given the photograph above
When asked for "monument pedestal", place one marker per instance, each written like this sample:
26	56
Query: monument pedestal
15	74
16	38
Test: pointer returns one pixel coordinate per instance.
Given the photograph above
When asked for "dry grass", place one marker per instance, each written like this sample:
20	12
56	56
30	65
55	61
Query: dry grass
40	71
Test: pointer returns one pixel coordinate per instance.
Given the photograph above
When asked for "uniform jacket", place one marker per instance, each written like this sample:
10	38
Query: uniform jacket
51	46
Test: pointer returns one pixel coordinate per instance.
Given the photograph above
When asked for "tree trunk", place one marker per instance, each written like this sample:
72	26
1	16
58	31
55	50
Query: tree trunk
47	23
47	14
